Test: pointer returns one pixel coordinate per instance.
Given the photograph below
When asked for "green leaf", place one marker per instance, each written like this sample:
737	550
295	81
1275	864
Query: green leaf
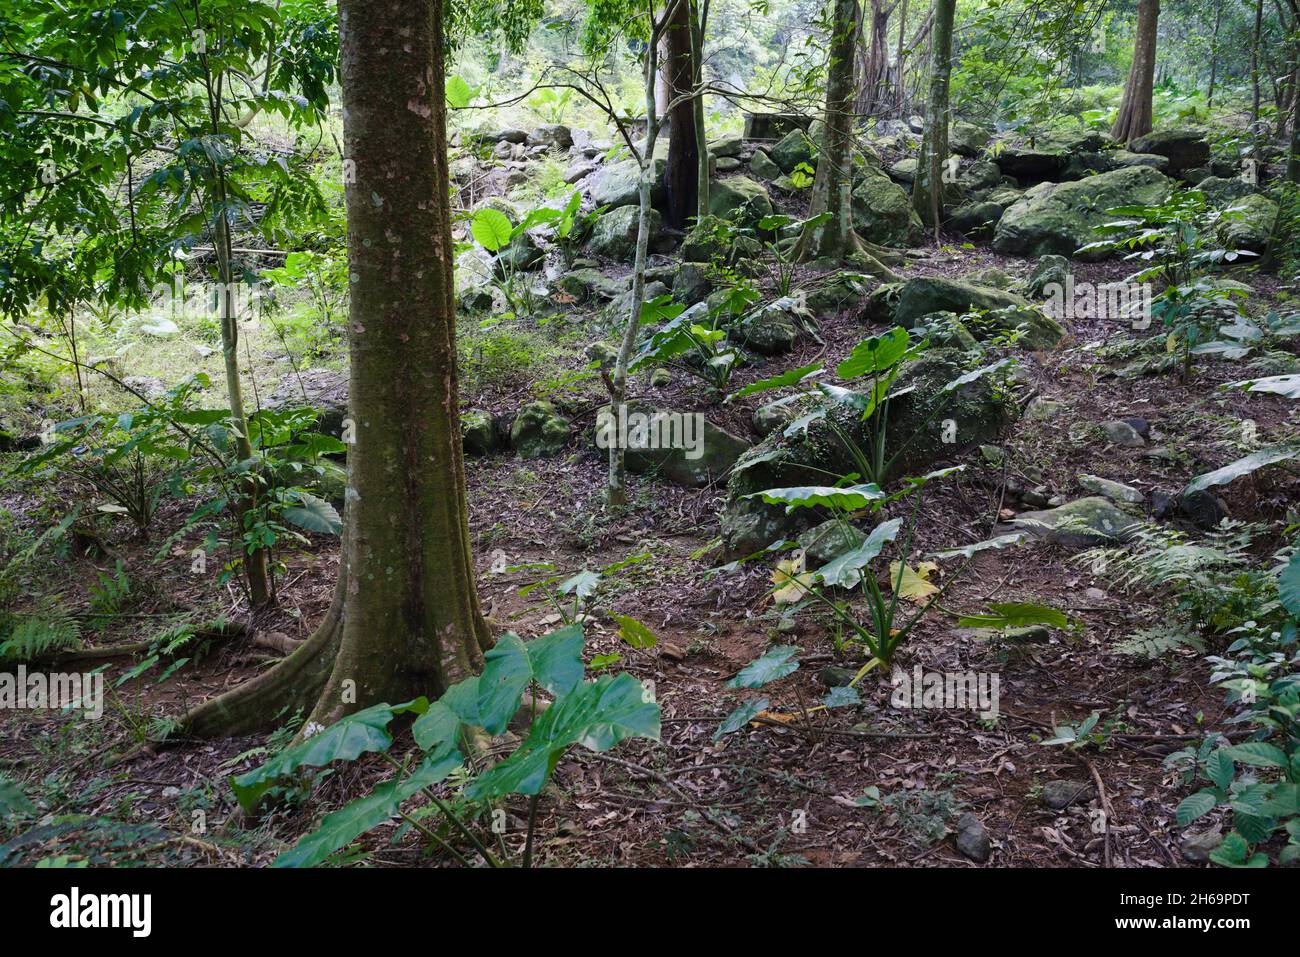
1243	466
875	354
344	740
314	514
1258	754
1015	615
634	633
1287	385
778	662
596	714
491	228
741	717
459	93
846	570
582	584
787	378
1288	586
966	551
12	800
554	661
842	697
340	828
808	496
1232	852
1195	806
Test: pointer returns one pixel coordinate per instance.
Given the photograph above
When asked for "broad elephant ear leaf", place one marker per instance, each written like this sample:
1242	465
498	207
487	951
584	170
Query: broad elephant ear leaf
491	228
845	571
554	661
314	514
777	662
1243	466
340	828
810	496
344	740
596	714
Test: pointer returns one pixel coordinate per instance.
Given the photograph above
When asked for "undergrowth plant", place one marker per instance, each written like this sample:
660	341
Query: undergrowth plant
597	714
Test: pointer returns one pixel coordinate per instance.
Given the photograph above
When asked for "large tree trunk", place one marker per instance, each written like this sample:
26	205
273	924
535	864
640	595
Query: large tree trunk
873	73
678	73
1134	117
699	23
928	187
832	190
405	618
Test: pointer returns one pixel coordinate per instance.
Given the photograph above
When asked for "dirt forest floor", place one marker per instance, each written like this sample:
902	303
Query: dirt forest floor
774	794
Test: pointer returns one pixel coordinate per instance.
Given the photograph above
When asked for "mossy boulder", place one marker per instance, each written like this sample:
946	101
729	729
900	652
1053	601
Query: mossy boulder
683	448
828	541
773	329
883	213
1050	270
1060	217
589	284
619	184
539	431
740	199
478	432
1248	223
1122	158
837	293
810	456
1084	522
923	296
975	219
761	165
1185	149
615	233
794	148
967	139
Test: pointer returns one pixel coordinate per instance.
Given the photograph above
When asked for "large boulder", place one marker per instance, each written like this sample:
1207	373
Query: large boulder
1083	522
1247	223
761	165
553	136
1060	217
324	390
1185	149
967	139
739	199
919	298
975	219
883	212
813	455
794	148
539	431
773	329
682	447
619	184
615	233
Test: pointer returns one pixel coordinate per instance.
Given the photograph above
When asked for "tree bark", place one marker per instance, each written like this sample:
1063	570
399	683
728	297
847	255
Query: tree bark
927	188
699	23
678	73
873	75
1214	55
405	617
1134	117
832	190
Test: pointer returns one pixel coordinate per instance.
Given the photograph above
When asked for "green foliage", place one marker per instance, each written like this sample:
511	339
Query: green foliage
30	637
596	714
695	340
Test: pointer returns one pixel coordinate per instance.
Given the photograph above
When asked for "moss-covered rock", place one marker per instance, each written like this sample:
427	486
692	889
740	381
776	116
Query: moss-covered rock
1185	149
614	235
1125	158
794	148
478	433
761	165
588	284
975	219
684	448
916	429
539	431
619	184
828	541
739	199
1248	223
1060	218
773	329
839	292
967	139
923	296
1083	522
883	213
1048	271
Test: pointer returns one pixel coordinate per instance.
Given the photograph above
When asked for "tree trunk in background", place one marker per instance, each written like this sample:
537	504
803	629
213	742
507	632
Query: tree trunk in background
405	618
900	61
873	73
1214	54
927	188
832	190
699	23
678	72
1134	118
1254	68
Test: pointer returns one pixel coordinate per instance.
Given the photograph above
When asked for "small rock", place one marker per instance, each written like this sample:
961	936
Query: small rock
1115	491
1058	795
972	838
834	677
1029	634
660	378
1196	848
1041	408
1122	433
